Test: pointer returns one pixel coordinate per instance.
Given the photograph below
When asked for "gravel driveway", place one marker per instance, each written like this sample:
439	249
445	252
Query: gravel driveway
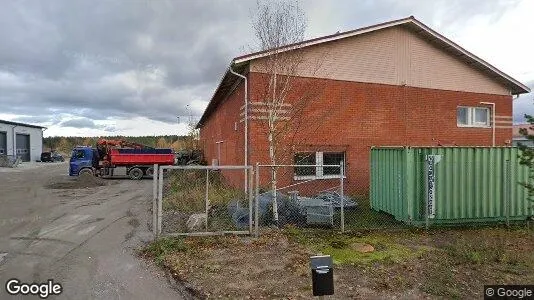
81	237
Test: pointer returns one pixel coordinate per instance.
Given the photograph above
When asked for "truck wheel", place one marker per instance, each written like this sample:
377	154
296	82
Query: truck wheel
135	174
85	172
149	172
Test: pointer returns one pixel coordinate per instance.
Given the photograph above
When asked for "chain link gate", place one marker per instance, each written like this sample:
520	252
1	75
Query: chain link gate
202	200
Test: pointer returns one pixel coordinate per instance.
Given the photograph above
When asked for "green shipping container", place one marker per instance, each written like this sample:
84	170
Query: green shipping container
471	184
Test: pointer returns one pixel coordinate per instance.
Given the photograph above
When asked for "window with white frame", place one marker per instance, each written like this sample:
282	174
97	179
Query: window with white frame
316	160
473	116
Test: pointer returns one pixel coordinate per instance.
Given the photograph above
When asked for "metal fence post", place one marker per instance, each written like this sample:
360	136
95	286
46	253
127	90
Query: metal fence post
256	204
250	196
427	219
155	200
207	196
507	191
160	199
342	172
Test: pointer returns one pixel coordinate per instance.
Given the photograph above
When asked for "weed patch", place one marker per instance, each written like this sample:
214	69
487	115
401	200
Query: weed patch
160	248
341	247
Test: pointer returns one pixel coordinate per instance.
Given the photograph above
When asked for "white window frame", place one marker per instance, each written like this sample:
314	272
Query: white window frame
319	169
471	111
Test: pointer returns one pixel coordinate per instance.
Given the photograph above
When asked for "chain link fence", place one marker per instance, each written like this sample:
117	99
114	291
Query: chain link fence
296	195
9	161
317	196
428	190
203	200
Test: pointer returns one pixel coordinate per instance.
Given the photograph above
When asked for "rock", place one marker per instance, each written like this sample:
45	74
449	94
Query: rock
362	247
196	222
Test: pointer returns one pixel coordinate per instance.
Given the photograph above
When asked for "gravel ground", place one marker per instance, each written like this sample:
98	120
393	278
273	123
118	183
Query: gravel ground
83	235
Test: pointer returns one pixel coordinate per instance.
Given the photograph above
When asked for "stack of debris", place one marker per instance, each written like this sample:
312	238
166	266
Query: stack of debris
293	209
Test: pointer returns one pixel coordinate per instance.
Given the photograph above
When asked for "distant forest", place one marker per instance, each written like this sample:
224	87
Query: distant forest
64	144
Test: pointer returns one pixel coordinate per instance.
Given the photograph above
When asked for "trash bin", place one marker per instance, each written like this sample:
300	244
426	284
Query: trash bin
322	275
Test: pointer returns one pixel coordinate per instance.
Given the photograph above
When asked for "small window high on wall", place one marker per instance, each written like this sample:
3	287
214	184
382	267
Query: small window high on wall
472	116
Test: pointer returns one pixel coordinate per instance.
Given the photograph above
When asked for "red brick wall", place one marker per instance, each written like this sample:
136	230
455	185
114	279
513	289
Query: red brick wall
352	117
221	126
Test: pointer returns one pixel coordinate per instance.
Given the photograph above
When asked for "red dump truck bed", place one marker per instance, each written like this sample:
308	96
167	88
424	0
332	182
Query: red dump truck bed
126	157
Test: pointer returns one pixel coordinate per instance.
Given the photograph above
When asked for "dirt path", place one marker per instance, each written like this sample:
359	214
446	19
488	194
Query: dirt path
84	238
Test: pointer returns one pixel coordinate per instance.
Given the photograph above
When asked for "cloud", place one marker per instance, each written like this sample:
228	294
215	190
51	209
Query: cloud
524	104
93	63
117	59
79	123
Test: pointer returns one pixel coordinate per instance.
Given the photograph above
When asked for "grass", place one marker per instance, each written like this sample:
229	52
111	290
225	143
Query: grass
160	248
448	263
364	217
342	246
185	191
494	249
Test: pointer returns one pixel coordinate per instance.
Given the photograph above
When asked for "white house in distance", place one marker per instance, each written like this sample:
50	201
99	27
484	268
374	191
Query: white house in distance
19	139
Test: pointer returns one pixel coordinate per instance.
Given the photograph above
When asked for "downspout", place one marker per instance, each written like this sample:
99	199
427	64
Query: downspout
42	141
493	119
14	141
246	124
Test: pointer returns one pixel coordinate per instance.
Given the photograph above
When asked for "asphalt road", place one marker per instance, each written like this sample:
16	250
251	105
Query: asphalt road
85	239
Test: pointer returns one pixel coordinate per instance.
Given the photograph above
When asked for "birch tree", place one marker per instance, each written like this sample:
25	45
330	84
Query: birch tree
279	25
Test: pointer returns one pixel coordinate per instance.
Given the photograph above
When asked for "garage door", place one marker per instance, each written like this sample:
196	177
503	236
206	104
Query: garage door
23	146
3	143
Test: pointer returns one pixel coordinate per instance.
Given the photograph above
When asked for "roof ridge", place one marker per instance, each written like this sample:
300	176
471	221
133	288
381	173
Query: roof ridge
326	37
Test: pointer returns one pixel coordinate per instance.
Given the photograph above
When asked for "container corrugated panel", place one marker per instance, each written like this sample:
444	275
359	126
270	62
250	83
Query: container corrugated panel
472	184
387	169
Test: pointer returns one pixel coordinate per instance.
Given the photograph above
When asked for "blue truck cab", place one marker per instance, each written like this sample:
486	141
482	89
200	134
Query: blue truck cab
83	159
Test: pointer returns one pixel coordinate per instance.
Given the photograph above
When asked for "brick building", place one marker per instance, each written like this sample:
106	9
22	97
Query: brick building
398	83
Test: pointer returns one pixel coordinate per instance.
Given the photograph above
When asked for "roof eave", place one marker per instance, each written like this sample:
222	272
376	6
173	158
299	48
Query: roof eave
518	87
21	124
212	103
324	39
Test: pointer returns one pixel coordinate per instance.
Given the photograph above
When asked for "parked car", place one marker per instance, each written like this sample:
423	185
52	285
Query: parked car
57	157
52	156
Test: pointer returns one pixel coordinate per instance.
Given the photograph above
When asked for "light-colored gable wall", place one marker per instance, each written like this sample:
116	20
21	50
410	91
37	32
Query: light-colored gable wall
36	139
394	56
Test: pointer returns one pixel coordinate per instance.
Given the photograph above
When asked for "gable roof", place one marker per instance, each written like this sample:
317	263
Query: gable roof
411	23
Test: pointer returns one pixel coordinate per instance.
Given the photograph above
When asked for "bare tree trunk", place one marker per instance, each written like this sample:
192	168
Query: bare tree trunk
279	23
272	157
272	153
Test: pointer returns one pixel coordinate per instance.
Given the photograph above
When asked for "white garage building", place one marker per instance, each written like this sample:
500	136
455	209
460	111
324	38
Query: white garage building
21	139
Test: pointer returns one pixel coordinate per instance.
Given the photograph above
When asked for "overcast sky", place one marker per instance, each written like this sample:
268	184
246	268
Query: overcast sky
131	67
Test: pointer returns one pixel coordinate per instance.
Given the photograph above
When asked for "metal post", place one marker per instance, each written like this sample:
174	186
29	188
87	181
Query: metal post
155	200
507	191
250	198
427	221
256	205
160	199
342	172
207	200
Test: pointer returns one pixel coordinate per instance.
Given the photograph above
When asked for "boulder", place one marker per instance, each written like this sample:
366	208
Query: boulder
362	247
196	222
